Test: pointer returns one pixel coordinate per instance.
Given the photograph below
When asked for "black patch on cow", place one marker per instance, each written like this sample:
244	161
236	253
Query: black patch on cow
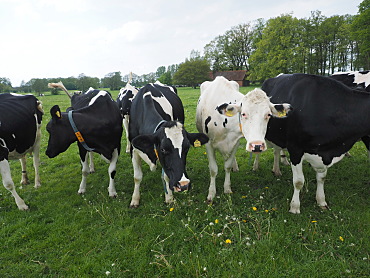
215	123
221	108
225	122
206	123
112	175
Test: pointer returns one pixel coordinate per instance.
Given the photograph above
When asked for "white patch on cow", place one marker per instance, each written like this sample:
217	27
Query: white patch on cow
163	102
175	135
100	94
362	78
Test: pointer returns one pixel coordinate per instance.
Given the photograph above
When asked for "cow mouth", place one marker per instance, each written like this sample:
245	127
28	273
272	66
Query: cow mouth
256	147
181	187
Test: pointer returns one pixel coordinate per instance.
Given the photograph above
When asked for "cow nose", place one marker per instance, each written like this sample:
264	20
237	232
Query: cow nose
256	147
182	186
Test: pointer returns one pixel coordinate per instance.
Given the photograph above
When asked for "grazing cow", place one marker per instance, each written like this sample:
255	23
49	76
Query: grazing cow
156	131
20	133
97	127
219	102
327	120
354	79
124	101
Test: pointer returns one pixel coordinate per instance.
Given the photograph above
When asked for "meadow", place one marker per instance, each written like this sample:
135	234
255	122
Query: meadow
249	233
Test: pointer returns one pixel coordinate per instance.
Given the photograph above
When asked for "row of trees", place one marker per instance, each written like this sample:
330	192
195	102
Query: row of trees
285	44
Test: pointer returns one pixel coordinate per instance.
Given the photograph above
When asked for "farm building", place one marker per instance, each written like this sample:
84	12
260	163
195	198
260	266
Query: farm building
236	75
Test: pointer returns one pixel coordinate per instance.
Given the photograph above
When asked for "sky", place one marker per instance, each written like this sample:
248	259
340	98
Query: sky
63	38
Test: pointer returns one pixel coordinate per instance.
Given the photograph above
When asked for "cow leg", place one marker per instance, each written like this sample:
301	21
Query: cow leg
168	194
9	184
276	166
36	157
213	169
256	162
283	159
112	173
25	179
298	182
125	125
320	194
138	176
85	173
91	165
235	165
228	166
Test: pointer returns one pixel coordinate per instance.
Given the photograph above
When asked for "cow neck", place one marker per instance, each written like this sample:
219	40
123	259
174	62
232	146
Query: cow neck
158	125
78	133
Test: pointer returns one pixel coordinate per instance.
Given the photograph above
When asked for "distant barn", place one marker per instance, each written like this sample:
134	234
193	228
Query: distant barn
235	75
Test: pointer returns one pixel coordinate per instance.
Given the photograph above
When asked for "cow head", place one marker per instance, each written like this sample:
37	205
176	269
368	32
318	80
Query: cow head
60	133
124	99
254	112
170	144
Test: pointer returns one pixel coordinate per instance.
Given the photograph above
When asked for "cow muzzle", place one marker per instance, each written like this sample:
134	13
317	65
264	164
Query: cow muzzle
256	147
182	186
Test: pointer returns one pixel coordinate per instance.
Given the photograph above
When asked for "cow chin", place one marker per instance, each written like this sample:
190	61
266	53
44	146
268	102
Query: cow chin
181	186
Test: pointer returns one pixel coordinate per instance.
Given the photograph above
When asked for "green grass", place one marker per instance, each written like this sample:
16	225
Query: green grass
68	235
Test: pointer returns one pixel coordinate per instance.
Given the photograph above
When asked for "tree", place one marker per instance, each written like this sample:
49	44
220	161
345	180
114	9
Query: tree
361	33
160	71
5	85
113	80
192	72
166	78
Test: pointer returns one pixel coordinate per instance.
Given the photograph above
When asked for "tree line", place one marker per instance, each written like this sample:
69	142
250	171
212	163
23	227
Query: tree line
284	44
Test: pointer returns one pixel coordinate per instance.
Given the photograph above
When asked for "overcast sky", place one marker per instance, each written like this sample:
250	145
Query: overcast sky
62	38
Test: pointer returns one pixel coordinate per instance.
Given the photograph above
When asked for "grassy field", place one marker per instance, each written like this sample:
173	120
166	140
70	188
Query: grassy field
249	233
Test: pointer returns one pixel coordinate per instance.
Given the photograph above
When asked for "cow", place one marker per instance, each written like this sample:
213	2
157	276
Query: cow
124	100
327	120
97	127
354	79
20	133
219	103
156	132
78	100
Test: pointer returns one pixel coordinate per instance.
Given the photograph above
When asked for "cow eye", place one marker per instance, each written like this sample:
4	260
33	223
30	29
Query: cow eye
164	151
244	115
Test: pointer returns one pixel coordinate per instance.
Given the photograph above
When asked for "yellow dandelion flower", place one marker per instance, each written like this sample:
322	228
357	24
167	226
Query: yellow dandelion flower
245	221
216	221
244	197
266	187
266	210
313	221
254	208
171	209
228	241
341	238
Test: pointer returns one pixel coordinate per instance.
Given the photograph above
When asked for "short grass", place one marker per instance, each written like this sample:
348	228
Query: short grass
249	233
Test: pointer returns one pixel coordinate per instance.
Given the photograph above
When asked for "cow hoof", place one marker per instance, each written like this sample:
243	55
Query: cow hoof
277	173
295	211
228	191
23	207
134	206
81	192
326	207
92	171
37	186
113	196
25	182
209	201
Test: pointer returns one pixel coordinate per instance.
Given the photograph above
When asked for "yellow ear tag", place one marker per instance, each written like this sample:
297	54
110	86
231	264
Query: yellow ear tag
197	143
58	114
156	153
281	113
229	114
240	126
79	137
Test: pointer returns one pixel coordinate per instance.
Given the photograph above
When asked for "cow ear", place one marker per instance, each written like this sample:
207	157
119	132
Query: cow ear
228	110
145	143
197	139
55	112
280	110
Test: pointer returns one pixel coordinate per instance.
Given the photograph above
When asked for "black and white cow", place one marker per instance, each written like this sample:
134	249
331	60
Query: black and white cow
20	133
327	120
219	103
156	131
124	101
97	127
354	79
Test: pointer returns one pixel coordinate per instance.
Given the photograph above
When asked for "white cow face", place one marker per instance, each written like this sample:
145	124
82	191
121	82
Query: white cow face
254	112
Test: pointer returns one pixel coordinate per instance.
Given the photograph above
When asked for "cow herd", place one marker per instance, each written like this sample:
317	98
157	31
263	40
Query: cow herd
316	119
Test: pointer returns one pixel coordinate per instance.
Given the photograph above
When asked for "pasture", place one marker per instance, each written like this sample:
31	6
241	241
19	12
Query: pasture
249	233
